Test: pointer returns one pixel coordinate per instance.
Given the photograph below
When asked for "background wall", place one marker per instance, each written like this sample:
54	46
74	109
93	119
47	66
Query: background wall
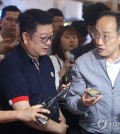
72	9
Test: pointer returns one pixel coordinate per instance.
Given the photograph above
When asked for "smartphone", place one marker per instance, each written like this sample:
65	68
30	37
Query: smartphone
93	92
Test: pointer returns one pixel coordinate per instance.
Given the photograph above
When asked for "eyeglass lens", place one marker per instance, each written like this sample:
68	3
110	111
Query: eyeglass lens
11	20
45	39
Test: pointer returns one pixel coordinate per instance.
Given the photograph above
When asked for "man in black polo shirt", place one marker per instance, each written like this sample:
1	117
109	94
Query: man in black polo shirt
27	75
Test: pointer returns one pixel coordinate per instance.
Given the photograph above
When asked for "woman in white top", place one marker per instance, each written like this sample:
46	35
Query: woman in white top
66	39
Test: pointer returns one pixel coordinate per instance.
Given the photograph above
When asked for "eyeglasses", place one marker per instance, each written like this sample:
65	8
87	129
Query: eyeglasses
11	20
94	33
44	39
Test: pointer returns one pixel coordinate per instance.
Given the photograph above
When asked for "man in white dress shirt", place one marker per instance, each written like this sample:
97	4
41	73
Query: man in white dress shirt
8	37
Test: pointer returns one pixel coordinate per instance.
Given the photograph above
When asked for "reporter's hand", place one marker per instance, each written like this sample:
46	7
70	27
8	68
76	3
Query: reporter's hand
67	86
6	45
31	113
89	101
65	68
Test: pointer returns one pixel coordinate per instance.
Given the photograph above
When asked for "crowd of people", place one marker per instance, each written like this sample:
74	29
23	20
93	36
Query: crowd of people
33	62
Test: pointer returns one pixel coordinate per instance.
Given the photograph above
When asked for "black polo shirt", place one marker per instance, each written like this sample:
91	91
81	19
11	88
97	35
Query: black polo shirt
21	80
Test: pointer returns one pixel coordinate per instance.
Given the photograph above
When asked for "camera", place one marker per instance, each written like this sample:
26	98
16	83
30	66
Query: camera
50	104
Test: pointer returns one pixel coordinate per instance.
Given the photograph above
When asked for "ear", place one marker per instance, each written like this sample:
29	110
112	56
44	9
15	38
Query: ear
25	37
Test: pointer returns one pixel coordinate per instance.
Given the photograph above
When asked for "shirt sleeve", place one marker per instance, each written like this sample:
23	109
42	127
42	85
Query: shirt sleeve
13	82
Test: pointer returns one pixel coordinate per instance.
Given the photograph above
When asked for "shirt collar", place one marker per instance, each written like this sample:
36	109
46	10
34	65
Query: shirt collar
25	57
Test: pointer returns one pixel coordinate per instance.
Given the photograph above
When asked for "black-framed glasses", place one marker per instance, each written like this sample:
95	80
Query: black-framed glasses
94	34
11	20
43	39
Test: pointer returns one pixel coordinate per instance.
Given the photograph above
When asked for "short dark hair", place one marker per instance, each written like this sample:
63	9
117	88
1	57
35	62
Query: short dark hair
80	27
113	14
30	19
55	12
9	8
92	12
